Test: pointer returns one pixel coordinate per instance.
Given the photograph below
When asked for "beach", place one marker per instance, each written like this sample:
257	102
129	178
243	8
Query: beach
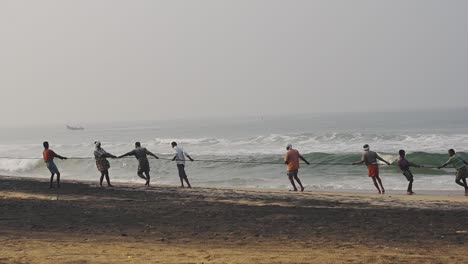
83	223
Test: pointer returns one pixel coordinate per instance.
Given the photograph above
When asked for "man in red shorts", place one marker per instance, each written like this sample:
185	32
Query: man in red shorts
370	159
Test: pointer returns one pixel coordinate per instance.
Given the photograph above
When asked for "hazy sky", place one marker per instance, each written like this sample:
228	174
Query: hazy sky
90	60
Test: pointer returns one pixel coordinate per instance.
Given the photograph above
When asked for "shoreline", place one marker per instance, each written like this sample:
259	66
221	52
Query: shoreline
308	189
83	223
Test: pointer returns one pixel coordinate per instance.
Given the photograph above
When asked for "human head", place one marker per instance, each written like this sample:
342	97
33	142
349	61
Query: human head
173	144
402	153
366	147
45	144
137	144
288	147
451	152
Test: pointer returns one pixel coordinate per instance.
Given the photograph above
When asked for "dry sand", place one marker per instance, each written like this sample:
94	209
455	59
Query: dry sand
82	223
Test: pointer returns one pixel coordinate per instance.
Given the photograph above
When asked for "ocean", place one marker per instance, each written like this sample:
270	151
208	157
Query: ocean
261	140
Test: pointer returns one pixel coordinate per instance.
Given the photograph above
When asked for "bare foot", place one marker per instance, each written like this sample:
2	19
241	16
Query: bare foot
302	189
383	191
182	186
380	192
409	193
110	185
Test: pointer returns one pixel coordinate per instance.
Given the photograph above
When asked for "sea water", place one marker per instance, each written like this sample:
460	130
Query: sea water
320	138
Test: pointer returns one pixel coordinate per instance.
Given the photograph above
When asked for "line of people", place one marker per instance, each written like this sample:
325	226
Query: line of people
103	165
291	159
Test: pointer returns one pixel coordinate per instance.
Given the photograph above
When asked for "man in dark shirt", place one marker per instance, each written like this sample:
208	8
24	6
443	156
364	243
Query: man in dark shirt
405	165
143	163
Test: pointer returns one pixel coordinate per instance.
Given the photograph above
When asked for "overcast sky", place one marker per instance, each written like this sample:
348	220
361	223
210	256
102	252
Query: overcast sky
91	60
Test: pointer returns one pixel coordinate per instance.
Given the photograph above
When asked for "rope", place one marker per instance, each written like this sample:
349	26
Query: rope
229	161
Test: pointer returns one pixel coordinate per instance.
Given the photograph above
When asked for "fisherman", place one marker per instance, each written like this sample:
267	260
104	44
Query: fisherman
370	159
292	161
405	165
49	156
143	163
179	158
102	164
460	165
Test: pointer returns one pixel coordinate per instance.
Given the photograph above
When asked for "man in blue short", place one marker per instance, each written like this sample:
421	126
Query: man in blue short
460	165
179	158
404	166
49	156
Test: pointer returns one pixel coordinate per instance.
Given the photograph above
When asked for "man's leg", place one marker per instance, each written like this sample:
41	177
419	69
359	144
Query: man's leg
410	187
187	181
140	174
58	179
466	186
102	178
292	182
108	179
52	180
181	182
299	181
181	175
381	185
147	178
376	185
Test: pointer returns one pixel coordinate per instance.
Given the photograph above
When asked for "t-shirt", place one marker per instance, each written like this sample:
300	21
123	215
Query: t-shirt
369	157
48	155
404	164
140	153
456	161
180	155
292	157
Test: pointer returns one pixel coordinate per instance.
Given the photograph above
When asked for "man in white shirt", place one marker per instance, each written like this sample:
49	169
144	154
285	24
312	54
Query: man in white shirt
180	160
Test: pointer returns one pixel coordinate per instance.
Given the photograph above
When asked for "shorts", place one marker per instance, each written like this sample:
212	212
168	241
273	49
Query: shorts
143	166
292	173
373	170
408	174
181	169
52	167
102	164
461	173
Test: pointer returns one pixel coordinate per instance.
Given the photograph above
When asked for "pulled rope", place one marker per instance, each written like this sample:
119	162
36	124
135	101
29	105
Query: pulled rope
230	161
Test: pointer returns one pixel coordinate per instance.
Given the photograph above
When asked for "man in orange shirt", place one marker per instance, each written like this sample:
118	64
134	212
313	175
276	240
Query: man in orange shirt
292	160
49	156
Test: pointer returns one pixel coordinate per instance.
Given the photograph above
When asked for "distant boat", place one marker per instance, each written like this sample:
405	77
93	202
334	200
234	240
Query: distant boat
71	127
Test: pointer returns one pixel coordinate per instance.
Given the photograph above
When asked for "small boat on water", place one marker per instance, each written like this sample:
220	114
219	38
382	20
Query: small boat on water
72	127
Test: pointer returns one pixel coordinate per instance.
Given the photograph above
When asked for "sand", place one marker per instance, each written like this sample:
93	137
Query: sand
83	223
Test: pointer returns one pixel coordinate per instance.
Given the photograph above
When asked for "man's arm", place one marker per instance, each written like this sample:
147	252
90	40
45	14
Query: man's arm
58	156
151	154
127	154
108	155
302	158
414	165
362	161
445	164
188	156
379	158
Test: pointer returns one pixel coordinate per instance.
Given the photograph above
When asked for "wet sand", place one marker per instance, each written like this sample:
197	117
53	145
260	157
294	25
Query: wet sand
83	223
